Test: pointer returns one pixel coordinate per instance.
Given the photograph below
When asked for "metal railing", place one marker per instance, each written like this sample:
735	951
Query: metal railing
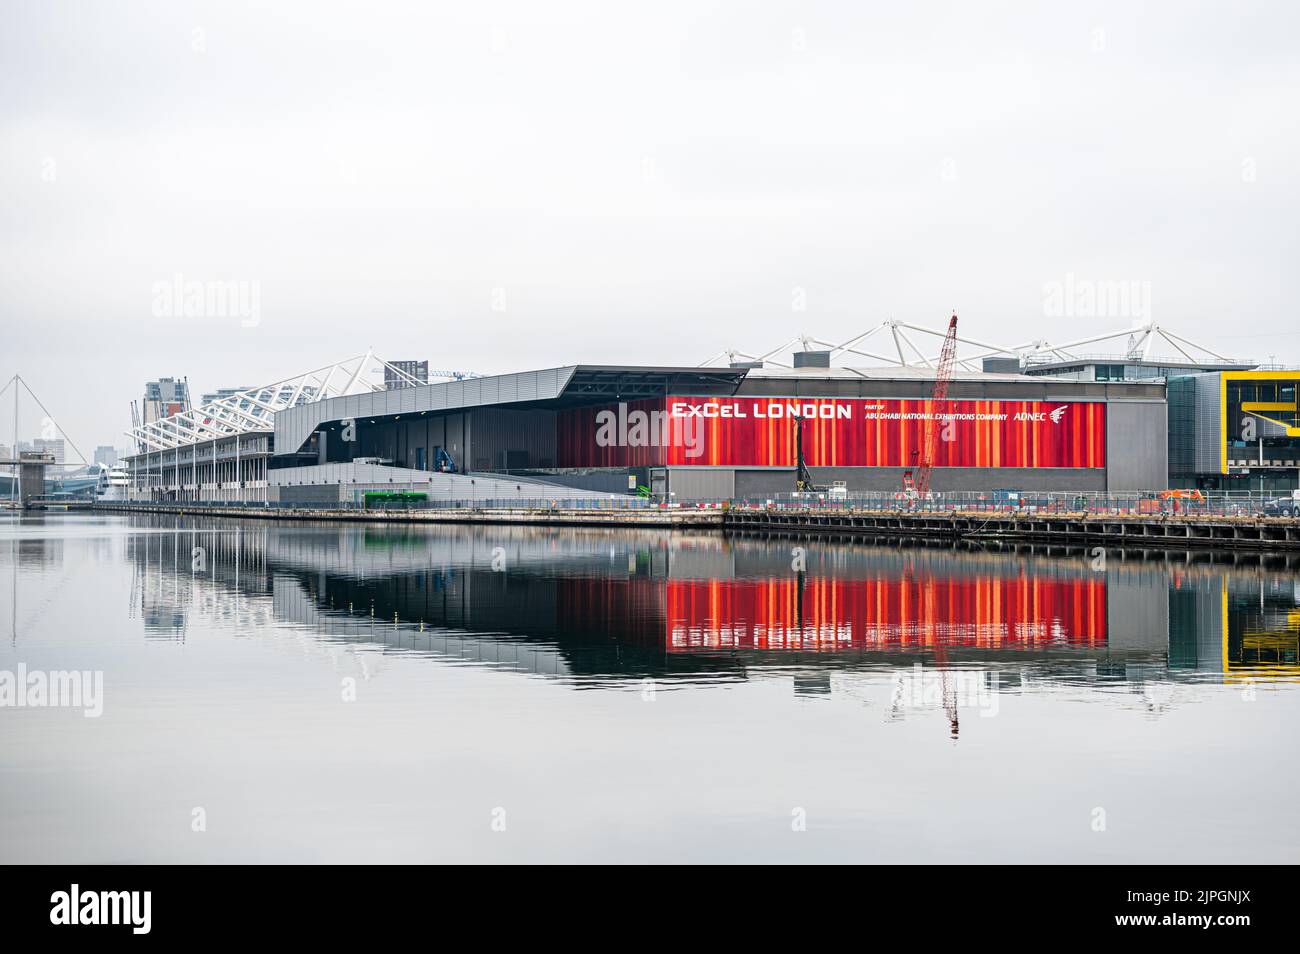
479	503
1254	504
1242	504
1179	362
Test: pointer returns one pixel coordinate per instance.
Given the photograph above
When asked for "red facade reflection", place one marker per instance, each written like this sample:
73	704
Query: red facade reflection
833	614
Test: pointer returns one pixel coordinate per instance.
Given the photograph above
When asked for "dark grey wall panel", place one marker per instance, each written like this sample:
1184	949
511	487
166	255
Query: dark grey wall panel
764	483
701	483
1137	446
514	440
968	478
322	494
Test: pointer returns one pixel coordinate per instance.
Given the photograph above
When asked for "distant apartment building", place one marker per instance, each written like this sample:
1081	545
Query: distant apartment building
220	393
163	398
50	445
393	381
106	454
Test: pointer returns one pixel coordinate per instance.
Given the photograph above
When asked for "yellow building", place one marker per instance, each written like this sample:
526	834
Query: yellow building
1235	430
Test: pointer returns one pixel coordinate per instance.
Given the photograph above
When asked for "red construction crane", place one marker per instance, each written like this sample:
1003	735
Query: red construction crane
919	485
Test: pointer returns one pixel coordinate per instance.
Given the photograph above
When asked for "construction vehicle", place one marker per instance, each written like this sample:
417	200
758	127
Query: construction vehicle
1180	500
1169	501
916	479
803	482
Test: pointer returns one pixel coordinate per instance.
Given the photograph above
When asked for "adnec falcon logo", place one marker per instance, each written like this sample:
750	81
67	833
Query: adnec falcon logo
1059	413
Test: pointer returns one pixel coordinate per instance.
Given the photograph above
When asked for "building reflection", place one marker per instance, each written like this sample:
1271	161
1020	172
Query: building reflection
1245	626
34	551
594	605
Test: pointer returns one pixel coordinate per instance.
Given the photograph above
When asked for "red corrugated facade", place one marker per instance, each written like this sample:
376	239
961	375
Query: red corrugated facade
861	432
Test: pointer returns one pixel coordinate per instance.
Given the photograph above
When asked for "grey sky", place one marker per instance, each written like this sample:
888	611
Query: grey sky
642	184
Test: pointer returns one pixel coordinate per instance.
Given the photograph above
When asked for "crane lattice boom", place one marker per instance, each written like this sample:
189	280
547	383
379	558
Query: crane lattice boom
929	443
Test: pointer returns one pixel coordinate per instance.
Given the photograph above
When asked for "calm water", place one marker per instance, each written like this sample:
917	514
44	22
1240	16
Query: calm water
350	693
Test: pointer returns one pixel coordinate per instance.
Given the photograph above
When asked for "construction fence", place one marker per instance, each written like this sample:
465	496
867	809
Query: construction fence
1146	504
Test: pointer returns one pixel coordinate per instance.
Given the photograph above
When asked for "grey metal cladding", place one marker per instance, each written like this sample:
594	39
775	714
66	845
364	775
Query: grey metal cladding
702	484
558	379
294	427
1208	426
1136	424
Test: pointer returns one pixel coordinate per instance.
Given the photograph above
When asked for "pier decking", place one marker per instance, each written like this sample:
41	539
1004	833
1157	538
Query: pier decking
554	516
1128	530
1125	530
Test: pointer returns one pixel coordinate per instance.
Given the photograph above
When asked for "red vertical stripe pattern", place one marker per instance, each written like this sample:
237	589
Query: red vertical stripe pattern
760	432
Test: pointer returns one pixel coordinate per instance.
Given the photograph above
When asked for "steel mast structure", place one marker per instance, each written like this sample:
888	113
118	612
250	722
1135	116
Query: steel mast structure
902	348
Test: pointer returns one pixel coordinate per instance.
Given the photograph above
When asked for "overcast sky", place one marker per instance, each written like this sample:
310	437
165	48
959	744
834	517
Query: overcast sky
503	186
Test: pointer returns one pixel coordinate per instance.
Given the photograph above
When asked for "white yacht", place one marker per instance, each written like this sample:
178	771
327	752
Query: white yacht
113	483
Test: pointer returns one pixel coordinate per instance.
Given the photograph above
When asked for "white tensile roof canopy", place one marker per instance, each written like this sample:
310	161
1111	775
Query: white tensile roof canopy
253	411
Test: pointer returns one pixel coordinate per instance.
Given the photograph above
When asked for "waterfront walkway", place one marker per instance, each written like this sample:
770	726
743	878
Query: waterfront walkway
1124	530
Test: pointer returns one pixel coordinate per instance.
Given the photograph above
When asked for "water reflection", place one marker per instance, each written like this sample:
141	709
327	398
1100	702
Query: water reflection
596	607
406	682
